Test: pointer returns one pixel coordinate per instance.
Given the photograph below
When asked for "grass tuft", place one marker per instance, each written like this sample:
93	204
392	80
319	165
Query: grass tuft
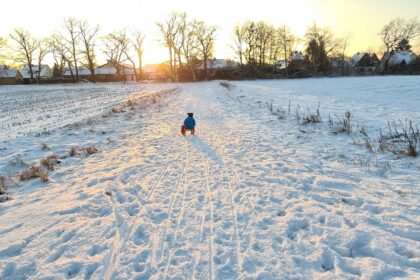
34	171
90	150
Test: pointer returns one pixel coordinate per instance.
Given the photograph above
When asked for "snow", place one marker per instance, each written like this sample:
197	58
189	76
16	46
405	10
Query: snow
251	196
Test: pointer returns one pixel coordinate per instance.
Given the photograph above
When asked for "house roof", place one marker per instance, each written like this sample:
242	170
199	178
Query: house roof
297	56
26	74
8	72
399	57
109	69
281	64
83	71
356	58
214	64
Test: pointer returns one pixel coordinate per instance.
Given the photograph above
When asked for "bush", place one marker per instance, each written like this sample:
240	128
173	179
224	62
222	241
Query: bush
401	139
3	186
344	124
312	117
34	171
73	151
90	150
50	161
227	85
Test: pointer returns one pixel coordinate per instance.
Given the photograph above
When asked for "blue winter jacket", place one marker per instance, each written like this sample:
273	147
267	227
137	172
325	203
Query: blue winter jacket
189	123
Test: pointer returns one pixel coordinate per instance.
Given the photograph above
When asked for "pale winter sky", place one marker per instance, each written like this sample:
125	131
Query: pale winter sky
363	19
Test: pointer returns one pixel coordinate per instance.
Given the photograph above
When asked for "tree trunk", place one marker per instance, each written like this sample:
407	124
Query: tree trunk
71	70
39	73
75	61
170	64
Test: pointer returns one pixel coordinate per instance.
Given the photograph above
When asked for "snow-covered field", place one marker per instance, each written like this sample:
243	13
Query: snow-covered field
27	110
252	196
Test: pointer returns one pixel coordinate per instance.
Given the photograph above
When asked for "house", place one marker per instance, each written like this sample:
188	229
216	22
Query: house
363	63
115	72
296	59
217	64
45	72
297	56
156	72
84	72
9	76
339	65
399	58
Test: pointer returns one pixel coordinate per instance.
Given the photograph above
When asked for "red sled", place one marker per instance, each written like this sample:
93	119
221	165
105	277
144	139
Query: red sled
184	130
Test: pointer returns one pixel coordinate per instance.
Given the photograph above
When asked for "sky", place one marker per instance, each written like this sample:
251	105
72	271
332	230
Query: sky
362	19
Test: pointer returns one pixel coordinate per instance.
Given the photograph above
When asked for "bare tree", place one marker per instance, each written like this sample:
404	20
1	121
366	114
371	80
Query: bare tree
393	33
138	42
61	53
42	51
73	39
170	30
116	46
239	44
88	37
3	49
286	42
190	47
342	46
250	41
206	36
26	47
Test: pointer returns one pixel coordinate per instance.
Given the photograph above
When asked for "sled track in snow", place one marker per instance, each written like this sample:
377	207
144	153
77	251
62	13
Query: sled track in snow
210	206
232	201
182	210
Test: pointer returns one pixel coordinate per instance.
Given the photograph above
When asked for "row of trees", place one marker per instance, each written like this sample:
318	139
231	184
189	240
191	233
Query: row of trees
258	46
189	41
74	46
261	44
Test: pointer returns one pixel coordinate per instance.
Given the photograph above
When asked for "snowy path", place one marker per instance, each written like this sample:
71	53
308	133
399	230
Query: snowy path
245	199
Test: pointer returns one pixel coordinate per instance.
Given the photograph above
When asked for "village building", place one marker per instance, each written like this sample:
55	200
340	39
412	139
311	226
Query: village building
44	73
159	72
216	68
399	57
339	65
9	75
296	59
217	64
363	63
115	72
83	72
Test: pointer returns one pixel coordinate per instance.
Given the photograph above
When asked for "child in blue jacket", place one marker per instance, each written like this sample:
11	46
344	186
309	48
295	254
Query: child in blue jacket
189	124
